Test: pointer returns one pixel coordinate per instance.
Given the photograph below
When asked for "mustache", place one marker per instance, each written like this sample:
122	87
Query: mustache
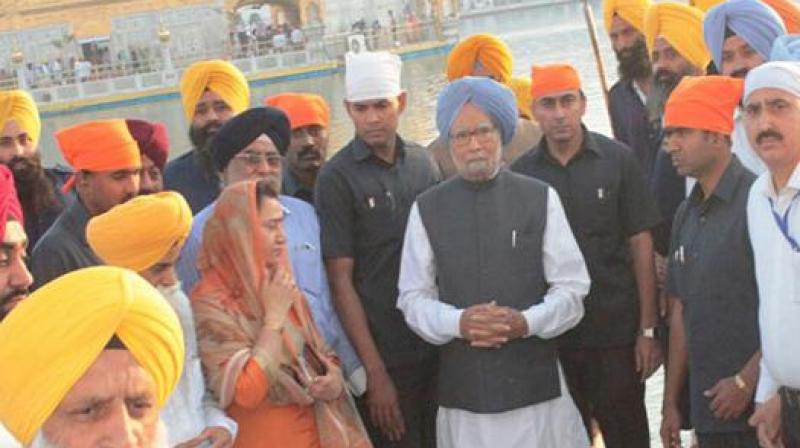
200	136
308	150
769	133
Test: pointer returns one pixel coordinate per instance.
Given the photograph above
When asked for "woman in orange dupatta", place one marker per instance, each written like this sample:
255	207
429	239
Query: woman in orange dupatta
264	358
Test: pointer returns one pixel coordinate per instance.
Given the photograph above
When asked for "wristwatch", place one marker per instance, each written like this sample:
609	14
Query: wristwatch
649	333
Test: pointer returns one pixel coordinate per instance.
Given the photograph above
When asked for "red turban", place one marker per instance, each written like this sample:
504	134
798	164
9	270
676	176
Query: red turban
9	203
704	102
552	78
152	139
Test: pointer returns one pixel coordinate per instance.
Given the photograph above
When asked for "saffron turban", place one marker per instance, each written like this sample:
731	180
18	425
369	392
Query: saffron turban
521	86
220	77
139	233
704	102
773	75
18	105
631	11
487	50
552	78
786	48
102	145
752	20
682	26
9	202
54	336
494	99
243	129
789	11
372	76
152	139
303	109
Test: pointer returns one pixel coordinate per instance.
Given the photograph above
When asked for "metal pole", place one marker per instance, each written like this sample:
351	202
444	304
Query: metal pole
601	71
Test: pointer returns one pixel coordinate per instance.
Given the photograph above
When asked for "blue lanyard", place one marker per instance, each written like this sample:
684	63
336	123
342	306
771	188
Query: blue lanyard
783	222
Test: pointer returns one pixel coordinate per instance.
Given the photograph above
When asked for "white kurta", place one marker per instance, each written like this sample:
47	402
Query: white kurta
190	409
555	423
778	275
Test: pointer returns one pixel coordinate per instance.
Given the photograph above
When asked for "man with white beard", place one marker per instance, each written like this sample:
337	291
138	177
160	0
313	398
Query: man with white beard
96	354
146	235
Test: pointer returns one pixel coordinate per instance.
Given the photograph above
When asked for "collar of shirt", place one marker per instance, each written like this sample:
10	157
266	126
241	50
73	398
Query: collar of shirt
726	187
784	197
639	92
290	184
362	151
588	147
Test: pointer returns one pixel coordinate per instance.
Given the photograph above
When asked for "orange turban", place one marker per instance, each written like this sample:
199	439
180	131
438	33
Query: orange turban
521	86
53	338
789	11
682	26
102	145
218	76
704	102
303	109
631	11
551	78
18	105
488	50
139	233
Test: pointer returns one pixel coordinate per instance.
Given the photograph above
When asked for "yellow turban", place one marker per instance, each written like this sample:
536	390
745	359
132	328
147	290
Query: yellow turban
139	233
631	11
521	86
705	5
682	26
220	77
486	49
54	336
18	105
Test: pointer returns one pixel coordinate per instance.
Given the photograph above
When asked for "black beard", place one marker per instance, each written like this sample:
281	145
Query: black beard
634	62
34	188
201	140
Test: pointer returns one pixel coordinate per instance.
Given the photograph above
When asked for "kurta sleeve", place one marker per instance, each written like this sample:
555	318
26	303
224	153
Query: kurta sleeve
433	320
251	386
565	272
767	386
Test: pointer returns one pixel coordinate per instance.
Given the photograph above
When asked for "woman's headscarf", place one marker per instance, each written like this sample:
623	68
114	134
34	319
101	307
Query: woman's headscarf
230	316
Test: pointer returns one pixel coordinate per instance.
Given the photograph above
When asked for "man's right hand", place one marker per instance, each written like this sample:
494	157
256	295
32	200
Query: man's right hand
384	407
670	427
767	421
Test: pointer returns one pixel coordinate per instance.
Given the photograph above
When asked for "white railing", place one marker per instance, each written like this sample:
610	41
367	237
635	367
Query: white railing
257	57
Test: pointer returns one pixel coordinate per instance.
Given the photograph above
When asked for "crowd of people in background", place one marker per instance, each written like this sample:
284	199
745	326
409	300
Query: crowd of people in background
513	284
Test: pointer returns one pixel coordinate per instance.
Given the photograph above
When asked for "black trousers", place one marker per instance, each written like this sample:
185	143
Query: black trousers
790	417
744	439
605	386
416	391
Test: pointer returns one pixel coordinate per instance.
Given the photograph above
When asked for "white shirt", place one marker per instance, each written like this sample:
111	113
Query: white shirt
7	440
778	275
190	409
554	423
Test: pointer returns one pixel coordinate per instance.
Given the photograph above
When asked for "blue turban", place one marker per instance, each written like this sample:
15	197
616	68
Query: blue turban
786	48
493	98
754	21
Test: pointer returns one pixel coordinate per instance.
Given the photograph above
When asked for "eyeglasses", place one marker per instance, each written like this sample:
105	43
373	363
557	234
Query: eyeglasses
254	159
483	133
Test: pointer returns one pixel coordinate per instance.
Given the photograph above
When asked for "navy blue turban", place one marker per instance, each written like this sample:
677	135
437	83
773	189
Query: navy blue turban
494	99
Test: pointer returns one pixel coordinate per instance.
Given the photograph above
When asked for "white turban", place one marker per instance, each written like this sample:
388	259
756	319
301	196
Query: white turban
372	76
775	75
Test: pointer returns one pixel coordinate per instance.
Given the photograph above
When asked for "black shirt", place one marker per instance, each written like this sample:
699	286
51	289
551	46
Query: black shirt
290	186
607	201
711	271
363	205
